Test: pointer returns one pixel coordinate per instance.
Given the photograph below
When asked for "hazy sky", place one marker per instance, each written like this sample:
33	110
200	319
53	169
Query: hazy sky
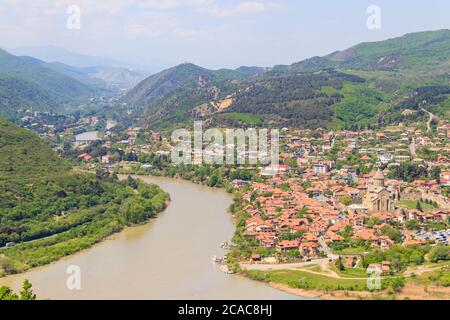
212	33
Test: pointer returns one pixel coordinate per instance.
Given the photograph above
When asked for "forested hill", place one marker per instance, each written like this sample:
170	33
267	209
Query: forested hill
369	84
414	52
187	77
23	154
50	211
26	82
53	82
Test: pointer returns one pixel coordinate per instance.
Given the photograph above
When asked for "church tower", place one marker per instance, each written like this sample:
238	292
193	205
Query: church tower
378	179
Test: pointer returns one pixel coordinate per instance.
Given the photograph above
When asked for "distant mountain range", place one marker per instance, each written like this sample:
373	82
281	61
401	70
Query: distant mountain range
56	54
84	69
26	82
368	84
111	72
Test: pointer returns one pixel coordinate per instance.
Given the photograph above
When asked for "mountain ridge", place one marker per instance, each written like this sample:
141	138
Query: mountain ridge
389	68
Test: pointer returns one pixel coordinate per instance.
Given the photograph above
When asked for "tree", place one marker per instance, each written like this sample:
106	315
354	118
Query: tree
412	225
392	233
417	257
7	294
435	174
213	180
419	206
439	252
340	265
132	182
346	200
396	283
27	293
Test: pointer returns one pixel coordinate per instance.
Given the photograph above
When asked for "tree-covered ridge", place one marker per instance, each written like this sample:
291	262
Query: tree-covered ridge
185	78
169	97
27	82
53	82
293	99
417	52
19	94
48	211
369	84
22	154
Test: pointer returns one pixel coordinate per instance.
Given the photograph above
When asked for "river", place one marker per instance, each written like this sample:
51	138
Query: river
167	258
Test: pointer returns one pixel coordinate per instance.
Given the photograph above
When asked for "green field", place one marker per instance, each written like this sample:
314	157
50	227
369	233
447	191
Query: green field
412	204
252	119
352	272
357	250
308	281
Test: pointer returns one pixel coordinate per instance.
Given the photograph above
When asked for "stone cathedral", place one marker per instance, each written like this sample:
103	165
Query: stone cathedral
378	197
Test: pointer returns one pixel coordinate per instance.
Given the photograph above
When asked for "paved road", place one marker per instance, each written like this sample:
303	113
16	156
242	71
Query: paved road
35	240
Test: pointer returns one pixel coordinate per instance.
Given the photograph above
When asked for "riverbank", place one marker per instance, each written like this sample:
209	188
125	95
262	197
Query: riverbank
409	292
424	283
168	258
325	288
134	203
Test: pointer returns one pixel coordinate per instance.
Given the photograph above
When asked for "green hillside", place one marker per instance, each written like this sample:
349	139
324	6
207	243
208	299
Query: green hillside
50	80
49	211
24	155
415	52
170	95
26	82
18	94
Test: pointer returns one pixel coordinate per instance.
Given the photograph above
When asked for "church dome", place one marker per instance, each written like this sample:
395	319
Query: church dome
379	175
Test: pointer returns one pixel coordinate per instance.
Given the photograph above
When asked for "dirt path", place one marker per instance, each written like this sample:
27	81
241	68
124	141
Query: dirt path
420	270
327	272
430	120
286	266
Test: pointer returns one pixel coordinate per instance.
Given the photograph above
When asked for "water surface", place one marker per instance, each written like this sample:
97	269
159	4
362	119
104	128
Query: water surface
167	258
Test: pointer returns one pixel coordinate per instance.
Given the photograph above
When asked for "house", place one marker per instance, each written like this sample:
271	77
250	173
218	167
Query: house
85	157
385	267
239	183
350	261
86	138
287	245
309	248
256	257
321	168
274	169
106	159
365	234
385	242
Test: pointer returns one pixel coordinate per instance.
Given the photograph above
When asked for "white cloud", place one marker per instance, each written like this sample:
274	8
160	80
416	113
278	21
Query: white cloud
243	8
151	25
173	4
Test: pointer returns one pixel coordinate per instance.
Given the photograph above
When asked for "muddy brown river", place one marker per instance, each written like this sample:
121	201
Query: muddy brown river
167	258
